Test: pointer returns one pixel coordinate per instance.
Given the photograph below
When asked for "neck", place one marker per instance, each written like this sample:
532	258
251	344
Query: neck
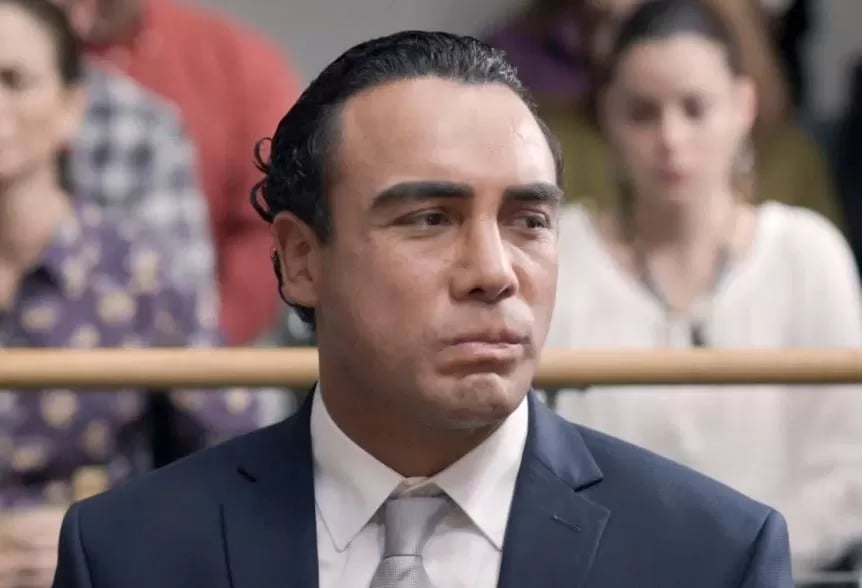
682	226
31	208
410	447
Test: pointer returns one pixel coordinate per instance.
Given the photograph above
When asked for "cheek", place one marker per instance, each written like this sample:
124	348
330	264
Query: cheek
40	121
715	146
537	277
391	284
635	146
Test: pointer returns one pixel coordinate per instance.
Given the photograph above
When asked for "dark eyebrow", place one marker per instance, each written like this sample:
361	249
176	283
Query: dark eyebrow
536	192
429	189
421	190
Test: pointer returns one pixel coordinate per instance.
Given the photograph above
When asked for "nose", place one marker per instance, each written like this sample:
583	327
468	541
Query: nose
484	272
672	131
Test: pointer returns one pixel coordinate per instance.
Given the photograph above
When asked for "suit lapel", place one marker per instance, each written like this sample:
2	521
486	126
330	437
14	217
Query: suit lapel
553	532
269	517
552	535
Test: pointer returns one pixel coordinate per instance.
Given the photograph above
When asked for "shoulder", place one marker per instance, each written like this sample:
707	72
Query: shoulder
112	92
682	526
171	519
124	117
805	235
640	485
687	529
183	495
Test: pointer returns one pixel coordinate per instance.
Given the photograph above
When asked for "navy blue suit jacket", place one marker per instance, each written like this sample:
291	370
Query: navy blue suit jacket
588	510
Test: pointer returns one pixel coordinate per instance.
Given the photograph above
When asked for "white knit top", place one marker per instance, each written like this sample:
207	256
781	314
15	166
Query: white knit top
797	449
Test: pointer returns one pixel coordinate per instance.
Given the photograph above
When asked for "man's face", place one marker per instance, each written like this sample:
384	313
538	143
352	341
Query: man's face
82	14
101	20
437	287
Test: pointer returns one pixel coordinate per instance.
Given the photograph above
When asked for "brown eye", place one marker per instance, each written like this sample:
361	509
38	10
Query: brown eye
533	221
12	79
695	108
435	219
428	218
641	112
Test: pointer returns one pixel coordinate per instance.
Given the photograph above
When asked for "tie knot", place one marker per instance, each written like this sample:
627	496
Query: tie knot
409	522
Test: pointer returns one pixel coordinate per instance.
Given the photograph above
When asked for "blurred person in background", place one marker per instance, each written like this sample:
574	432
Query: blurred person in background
848	162
133	158
546	44
72	276
790	22
232	87
790	167
689	259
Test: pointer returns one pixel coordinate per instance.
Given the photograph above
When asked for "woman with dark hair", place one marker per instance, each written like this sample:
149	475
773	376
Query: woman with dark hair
560	47
690	259
71	276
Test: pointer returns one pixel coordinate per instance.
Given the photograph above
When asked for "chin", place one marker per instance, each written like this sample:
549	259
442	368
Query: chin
675	193
479	400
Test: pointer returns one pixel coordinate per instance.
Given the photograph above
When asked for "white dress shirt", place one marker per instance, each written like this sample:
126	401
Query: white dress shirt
795	448
350	486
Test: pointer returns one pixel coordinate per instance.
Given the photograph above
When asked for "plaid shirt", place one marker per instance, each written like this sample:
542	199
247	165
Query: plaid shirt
132	157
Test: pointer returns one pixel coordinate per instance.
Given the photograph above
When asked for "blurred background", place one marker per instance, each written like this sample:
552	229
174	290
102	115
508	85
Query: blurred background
134	122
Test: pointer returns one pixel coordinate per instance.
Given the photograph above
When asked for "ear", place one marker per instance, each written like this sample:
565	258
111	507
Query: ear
746	105
298	250
72	115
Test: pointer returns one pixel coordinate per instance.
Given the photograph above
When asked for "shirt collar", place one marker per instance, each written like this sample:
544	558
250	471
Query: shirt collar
73	252
351	485
482	482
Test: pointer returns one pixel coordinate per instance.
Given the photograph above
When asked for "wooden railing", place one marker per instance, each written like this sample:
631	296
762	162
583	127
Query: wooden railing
34	369
296	368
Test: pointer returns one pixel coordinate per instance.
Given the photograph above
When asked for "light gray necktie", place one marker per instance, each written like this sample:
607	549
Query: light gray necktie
408	522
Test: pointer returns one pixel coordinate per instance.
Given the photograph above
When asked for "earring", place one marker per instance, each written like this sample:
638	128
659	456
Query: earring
745	158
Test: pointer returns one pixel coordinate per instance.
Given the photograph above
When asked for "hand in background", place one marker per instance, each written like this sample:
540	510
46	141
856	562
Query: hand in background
28	547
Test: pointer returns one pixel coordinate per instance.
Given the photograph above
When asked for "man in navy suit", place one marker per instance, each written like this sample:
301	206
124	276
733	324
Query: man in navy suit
413	196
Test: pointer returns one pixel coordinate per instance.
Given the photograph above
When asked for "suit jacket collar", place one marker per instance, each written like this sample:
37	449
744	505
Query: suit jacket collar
553	531
268	516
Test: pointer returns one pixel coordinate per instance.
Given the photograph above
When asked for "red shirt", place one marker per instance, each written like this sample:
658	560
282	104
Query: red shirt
232	87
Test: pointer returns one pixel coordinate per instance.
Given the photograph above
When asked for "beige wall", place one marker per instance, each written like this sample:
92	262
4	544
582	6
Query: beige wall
316	31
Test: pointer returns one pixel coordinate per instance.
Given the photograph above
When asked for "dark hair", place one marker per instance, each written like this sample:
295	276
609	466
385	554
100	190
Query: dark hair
66	44
296	173
67	51
658	20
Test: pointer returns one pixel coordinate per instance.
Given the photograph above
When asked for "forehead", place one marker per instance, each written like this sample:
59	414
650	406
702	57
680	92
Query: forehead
430	128
24	40
682	62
